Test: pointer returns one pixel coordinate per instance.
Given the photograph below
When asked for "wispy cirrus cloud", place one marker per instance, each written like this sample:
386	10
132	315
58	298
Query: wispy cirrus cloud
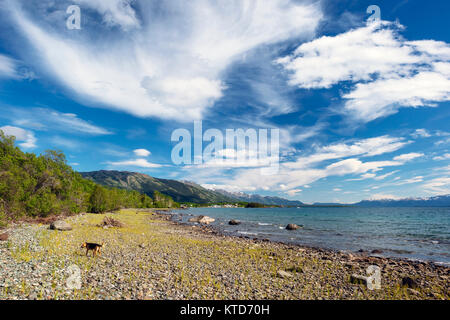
438	185
154	69
48	119
408	156
7	67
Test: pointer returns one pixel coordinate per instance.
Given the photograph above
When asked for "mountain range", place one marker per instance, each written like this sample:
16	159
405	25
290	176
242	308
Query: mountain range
186	191
180	191
437	201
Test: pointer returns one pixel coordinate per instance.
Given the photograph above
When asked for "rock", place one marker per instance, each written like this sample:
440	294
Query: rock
284	274
4	236
61	226
376	251
357	279
409	283
206	220
202	219
292	227
234	223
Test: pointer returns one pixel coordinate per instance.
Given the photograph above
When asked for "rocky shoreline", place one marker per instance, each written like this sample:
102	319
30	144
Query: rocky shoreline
152	257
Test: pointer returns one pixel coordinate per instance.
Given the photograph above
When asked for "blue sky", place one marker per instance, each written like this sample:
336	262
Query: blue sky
362	108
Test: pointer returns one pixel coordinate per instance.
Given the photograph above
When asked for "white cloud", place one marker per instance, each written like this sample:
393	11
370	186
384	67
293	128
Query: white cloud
7	67
141	163
443	157
410	181
306	170
421	133
142	153
388	72
408	156
28	138
156	70
385	96
365	147
352	56
384	176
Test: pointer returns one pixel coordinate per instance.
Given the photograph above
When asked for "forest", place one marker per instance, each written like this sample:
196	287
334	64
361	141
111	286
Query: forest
45	185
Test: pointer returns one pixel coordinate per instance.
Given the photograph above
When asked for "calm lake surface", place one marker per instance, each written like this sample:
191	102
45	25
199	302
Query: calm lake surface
413	233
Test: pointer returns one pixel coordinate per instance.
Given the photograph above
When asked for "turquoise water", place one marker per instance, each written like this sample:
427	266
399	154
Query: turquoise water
413	233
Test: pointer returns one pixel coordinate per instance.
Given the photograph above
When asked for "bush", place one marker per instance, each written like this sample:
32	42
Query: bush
40	186
110	222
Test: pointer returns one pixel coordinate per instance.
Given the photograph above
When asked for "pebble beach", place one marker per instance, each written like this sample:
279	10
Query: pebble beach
151	257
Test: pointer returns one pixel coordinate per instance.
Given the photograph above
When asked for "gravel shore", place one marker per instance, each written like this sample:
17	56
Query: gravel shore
152	257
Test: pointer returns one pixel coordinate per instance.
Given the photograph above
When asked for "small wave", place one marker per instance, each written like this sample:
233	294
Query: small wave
248	233
264	224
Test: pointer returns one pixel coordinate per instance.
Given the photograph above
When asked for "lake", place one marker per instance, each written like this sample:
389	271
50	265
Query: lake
413	233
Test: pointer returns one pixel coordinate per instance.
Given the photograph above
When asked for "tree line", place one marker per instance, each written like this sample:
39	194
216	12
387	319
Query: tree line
44	185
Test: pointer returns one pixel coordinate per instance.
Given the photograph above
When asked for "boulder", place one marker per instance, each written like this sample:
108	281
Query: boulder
376	251
4	236
61	226
292	227
234	223
206	220
202	219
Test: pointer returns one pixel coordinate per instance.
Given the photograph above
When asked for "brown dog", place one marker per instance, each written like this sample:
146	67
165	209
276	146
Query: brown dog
94	247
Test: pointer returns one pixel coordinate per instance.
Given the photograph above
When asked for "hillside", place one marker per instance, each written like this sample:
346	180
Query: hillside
179	191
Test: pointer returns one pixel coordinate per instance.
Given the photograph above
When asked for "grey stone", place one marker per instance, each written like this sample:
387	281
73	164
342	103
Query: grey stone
61	226
292	227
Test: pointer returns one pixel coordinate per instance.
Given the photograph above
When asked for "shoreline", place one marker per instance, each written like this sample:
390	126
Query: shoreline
365	254
153	257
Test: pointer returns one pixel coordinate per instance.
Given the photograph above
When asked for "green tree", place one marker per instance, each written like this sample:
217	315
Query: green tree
99	200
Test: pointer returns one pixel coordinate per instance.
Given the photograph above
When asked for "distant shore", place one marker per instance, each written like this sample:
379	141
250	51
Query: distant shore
152	257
